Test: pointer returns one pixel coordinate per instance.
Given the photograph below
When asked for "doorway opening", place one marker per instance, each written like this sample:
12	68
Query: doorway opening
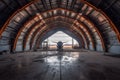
67	41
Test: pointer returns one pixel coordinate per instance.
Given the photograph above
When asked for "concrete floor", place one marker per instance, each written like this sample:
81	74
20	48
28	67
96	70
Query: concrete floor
53	65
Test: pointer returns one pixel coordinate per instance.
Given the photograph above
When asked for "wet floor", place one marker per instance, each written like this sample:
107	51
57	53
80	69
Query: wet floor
53	65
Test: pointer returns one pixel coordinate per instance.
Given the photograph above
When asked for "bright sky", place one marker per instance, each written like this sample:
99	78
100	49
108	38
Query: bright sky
60	36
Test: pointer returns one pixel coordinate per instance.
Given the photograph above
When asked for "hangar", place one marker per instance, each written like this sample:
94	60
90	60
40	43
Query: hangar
26	28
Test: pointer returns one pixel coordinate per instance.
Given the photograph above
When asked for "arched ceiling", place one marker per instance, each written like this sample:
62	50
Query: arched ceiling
23	21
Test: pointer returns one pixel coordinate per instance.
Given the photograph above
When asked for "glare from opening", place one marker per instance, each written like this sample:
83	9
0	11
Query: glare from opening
68	41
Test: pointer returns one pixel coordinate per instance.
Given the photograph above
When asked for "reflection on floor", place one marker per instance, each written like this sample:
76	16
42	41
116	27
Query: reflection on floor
53	65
